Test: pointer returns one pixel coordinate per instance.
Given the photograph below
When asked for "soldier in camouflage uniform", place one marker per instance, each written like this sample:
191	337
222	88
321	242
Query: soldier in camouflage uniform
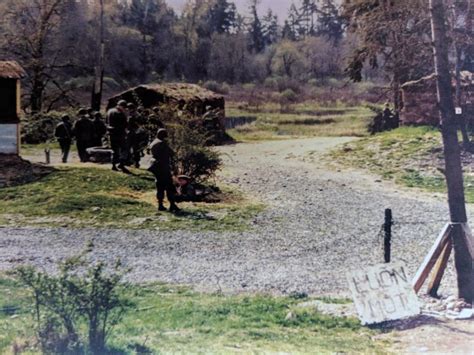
162	169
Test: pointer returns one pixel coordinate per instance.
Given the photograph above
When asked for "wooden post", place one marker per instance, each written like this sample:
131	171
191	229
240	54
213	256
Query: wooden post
439	269
454	177
430	260
388	235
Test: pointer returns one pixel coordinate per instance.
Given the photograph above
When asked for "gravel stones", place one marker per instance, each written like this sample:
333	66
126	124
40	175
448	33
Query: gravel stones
320	226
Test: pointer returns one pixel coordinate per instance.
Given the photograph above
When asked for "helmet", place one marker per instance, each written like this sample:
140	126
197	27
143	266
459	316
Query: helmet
122	103
162	134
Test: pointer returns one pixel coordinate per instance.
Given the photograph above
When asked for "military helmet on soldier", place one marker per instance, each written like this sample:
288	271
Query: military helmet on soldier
162	134
122	103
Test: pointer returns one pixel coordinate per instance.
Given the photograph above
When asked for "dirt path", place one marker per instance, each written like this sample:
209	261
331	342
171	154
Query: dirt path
319	224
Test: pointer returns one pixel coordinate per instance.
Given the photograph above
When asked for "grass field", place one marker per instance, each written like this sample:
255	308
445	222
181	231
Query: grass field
412	156
95	197
170	319
302	120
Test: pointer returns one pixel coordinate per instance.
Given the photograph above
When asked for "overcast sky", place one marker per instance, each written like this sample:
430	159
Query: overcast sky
280	7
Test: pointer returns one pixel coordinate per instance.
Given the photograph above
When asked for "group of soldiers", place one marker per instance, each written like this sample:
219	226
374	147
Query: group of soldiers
126	128
89	131
384	121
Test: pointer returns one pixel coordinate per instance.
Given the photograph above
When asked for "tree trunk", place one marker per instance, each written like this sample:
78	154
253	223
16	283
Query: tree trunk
97	89
37	90
462	118
454	176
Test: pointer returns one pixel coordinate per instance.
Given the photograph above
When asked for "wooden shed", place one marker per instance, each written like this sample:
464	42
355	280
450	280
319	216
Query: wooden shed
10	75
420	104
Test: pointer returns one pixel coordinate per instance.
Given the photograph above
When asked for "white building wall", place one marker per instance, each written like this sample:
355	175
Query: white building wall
9	138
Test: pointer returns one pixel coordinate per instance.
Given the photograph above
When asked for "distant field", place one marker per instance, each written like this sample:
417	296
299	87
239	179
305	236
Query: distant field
173	319
300	120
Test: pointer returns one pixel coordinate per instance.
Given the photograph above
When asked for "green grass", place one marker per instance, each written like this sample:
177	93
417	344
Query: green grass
305	120
411	156
96	197
170	319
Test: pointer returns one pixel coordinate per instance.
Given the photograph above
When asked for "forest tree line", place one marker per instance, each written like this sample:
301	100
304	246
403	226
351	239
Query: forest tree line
65	45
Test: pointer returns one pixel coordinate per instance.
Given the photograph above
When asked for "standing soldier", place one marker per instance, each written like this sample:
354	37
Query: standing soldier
161	168
90	113
387	118
63	133
118	122
84	132
137	136
100	129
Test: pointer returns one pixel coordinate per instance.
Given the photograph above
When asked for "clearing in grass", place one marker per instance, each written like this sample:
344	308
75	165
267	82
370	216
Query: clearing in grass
95	197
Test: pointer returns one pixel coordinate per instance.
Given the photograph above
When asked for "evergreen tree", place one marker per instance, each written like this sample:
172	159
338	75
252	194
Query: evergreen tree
307	18
220	18
271	29
330	21
287	32
294	22
257	41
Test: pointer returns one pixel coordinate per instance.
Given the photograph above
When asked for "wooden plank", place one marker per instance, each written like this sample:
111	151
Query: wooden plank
469	238
440	267
430	260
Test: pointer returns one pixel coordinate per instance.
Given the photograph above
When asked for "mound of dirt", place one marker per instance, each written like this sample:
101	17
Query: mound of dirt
16	171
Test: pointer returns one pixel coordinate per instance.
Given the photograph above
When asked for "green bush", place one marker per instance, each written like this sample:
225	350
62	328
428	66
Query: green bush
190	139
82	296
287	98
212	85
271	83
313	82
39	127
286	83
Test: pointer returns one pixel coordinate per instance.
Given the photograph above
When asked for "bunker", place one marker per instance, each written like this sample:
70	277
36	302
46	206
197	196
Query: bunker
190	97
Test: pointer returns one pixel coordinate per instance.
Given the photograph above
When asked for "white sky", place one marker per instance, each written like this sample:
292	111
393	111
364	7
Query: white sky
280	7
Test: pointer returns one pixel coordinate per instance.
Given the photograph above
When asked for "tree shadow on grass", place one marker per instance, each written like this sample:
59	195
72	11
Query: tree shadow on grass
194	215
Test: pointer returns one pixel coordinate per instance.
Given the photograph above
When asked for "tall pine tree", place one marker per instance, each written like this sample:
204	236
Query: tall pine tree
257	42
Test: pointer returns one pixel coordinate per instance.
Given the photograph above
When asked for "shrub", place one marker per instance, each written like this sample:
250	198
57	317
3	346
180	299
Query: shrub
39	127
271	83
190	139
37	130
287	83
287	98
313	82
212	85
80	296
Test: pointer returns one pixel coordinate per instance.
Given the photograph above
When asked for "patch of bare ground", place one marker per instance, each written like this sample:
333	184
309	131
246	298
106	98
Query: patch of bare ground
16	170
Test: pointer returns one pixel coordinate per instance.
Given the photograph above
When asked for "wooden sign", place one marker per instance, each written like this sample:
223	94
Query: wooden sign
382	293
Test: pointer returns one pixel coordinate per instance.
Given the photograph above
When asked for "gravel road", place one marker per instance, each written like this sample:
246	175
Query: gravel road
319	224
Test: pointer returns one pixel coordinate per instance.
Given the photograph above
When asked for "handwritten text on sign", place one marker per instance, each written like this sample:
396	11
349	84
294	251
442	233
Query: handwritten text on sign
383	293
